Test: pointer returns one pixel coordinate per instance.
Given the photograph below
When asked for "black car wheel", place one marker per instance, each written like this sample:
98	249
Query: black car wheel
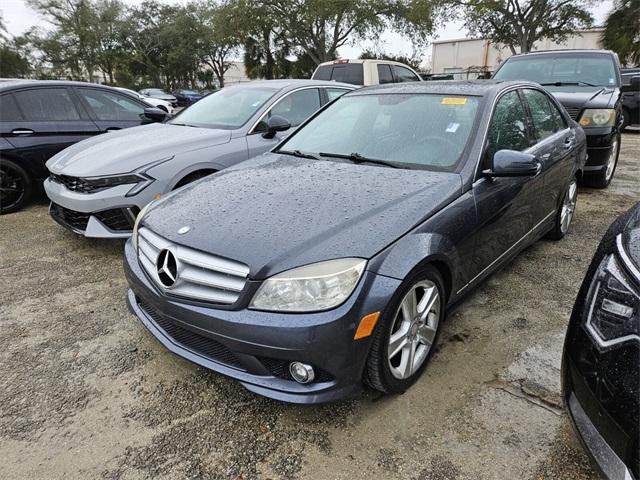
15	186
406	338
626	119
565	212
603	178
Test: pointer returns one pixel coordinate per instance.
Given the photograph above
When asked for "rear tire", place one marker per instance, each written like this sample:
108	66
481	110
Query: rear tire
603	178
565	212
626	119
15	186
406	337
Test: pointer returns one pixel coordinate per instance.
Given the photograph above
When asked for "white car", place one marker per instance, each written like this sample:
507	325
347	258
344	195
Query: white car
365	72
154	102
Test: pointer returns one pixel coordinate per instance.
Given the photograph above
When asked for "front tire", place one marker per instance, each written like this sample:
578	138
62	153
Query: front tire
565	212
15	186
408	332
603	178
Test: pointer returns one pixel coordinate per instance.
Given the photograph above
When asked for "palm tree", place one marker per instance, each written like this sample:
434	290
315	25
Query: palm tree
622	31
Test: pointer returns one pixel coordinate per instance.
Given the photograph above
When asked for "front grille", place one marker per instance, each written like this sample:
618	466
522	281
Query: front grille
573	112
75	220
118	219
195	342
199	276
75	184
280	369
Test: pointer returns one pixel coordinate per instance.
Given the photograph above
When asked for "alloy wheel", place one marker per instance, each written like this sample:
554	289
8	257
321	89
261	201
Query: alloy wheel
414	329
12	188
611	161
568	206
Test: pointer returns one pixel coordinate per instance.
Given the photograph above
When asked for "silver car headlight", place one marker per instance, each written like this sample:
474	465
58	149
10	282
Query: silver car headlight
134	235
598	117
315	287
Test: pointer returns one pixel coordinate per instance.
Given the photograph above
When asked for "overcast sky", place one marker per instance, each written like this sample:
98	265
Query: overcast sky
18	17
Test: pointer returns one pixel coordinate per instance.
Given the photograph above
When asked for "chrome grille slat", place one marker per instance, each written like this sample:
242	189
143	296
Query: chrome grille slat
200	276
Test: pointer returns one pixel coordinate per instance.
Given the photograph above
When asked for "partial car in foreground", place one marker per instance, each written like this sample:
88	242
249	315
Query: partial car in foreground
97	187
601	361
587	83
330	262
39	118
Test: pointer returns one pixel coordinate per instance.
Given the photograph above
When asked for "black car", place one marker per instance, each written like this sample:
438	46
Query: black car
601	361
186	97
630	96
587	83
40	118
330	261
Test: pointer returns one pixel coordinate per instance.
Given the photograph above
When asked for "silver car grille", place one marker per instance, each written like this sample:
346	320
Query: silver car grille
573	112
198	275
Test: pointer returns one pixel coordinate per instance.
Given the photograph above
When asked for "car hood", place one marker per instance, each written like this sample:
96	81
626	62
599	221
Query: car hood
592	97
130	149
277	212
631	236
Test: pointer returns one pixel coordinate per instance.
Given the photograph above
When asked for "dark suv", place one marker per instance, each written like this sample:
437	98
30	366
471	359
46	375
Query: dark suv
40	118
587	83
630	96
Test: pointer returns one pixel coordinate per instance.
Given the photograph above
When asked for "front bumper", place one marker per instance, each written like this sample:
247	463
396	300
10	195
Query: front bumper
255	347
599	145
106	213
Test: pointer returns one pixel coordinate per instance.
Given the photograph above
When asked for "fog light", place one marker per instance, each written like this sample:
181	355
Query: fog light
301	372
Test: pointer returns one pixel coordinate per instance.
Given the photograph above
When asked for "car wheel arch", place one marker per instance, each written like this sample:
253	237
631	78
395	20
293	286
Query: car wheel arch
192	176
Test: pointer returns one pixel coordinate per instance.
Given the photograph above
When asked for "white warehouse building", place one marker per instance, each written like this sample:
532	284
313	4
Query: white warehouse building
476	54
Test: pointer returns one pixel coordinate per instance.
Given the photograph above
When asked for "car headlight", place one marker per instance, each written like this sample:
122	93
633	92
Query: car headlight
319	286
134	235
614	310
598	117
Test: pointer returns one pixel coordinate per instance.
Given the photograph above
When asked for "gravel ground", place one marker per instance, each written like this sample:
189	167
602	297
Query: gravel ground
86	392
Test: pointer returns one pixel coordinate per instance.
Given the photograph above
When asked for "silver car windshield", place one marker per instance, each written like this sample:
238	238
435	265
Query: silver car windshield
414	130
227	109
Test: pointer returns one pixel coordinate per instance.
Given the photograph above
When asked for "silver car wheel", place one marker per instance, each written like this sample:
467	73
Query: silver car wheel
611	161
414	329
568	206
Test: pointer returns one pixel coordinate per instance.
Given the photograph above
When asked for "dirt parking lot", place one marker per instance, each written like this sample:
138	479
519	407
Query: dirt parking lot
86	392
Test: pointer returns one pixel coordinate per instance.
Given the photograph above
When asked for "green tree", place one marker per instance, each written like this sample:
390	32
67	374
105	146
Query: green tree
518	24
622	31
13	63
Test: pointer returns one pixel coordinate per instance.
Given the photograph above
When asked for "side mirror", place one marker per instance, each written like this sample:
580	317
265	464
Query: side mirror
155	114
276	124
510	163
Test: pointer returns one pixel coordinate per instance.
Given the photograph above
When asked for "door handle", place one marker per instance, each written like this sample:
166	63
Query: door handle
22	131
568	142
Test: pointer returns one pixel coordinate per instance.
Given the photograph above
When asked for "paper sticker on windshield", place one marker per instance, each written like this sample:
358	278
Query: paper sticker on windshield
452	127
454	101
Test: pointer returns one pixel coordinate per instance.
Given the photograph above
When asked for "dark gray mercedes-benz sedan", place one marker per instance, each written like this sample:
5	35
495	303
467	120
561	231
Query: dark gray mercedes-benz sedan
330	262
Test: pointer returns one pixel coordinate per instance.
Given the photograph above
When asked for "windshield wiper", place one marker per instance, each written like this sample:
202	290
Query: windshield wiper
357	158
298	153
560	84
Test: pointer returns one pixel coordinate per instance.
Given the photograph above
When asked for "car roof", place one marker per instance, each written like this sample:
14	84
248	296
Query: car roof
346	61
444	87
295	83
8	83
565	51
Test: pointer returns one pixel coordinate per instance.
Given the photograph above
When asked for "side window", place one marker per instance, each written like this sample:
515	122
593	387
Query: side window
111	106
297	106
508	127
558	119
333	93
46	104
404	74
348	73
323	72
384	73
544	124
9	111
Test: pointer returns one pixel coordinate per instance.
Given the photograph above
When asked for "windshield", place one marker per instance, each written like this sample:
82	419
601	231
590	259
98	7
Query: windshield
409	130
228	108
585	69
157	91
188	92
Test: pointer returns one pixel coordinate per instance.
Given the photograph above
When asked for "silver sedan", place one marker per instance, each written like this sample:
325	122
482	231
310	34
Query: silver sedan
98	186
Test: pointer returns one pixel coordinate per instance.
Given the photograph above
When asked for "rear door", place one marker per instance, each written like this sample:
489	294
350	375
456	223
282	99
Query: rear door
505	206
111	110
51	119
295	106
554	145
